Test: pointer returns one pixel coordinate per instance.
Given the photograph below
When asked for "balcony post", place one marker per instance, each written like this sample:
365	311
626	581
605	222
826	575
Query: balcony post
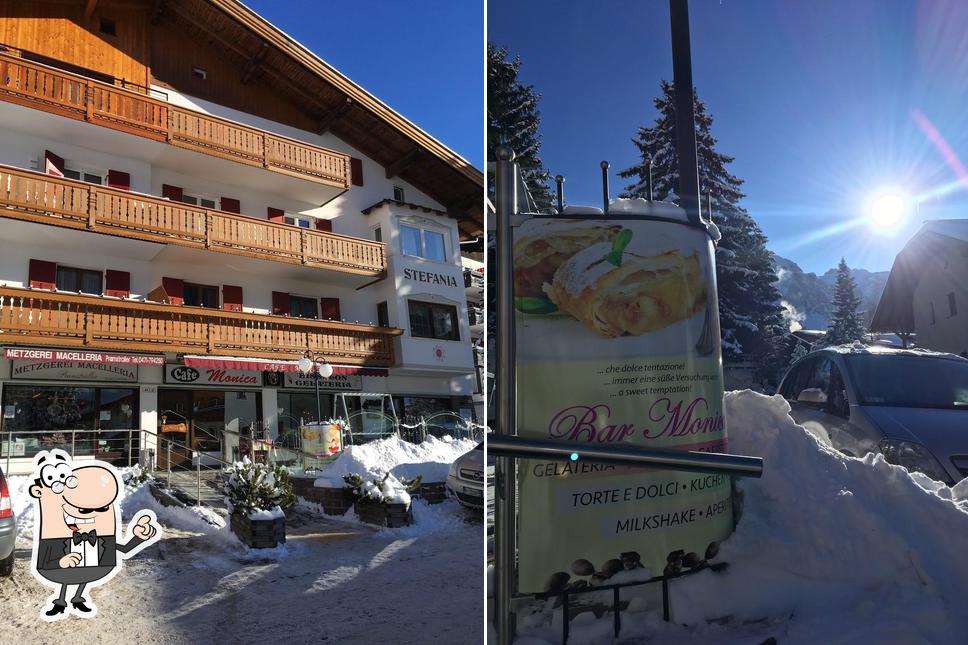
265	150
88	327
302	243
210	332
91	208
208	229
89	101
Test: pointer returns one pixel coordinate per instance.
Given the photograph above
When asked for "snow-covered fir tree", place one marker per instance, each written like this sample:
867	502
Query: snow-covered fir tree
751	316
847	324
513	120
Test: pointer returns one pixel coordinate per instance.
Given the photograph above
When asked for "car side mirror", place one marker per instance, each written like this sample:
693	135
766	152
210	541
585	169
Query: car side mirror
812	395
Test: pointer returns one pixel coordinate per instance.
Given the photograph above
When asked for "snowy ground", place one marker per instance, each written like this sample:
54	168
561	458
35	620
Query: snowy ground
335	581
829	549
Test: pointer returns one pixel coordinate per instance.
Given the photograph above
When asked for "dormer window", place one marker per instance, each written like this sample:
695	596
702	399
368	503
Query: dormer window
398	194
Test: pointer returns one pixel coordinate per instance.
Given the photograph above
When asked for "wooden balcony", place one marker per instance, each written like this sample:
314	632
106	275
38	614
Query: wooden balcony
58	92
47	318
36	197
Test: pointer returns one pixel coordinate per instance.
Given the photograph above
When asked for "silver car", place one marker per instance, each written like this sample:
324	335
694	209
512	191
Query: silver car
8	528
909	405
466	479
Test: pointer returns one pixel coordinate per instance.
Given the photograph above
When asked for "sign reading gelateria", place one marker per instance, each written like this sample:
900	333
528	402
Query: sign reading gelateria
617	344
73	371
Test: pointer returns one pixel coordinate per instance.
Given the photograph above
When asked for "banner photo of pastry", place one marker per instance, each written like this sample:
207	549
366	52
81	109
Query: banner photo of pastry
629	286
538	255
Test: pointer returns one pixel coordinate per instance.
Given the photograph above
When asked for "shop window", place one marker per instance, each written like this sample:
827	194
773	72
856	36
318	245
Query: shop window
300	307
198	295
79	280
382	315
429	320
423	243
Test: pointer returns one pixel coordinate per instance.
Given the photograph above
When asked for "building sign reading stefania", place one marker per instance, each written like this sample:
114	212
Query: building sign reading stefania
430	277
618	344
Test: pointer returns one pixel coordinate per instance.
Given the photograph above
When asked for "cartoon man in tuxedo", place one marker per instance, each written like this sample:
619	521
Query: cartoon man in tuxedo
76	539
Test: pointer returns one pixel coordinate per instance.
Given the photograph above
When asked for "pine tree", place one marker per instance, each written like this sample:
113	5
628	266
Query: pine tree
847	324
513	120
751	317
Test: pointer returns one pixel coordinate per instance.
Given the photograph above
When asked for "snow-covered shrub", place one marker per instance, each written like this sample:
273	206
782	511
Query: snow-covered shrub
250	488
135	475
385	490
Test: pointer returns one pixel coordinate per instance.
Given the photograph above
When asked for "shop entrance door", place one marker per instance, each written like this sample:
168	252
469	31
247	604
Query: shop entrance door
174	424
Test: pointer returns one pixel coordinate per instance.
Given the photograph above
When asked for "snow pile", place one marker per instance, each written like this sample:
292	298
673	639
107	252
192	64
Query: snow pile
262	514
430	459
828	549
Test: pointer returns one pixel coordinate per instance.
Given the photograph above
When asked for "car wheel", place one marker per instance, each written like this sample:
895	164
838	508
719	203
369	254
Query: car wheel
6	566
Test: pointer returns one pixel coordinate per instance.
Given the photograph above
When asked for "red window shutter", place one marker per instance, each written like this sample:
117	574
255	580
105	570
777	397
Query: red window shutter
356	171
329	308
174	193
117	283
230	205
280	303
231	298
42	274
324	225
277	215
53	165
175	289
118	179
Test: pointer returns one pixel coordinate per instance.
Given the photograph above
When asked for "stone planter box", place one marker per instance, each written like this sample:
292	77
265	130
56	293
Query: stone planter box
389	515
259	534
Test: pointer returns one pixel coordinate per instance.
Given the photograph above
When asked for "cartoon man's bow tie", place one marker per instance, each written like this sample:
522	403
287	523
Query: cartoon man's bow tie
90	536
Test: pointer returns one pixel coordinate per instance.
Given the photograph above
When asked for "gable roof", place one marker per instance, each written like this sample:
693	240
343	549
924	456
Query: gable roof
337	104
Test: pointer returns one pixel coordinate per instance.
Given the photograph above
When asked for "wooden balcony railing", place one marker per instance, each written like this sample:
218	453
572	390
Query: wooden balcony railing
36	197
58	92
47	318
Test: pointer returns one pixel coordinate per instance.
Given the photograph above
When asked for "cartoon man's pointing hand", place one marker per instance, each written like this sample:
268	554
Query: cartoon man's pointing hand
77	540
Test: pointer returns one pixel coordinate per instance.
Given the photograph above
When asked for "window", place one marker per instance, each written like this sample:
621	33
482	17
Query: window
79	280
952	305
428	320
378	234
382	315
300	307
197	295
85	174
423	243
197	200
931	312
398	194
299	220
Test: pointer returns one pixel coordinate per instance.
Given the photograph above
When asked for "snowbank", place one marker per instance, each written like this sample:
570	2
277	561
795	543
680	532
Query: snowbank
828	549
430	459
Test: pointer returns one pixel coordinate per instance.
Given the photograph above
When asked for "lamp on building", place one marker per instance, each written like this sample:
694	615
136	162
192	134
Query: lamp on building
310	363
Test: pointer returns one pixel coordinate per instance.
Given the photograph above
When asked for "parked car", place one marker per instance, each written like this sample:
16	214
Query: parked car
909	405
466	478
8	528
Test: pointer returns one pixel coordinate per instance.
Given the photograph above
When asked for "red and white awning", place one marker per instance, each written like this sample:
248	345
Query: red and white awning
81	356
266	365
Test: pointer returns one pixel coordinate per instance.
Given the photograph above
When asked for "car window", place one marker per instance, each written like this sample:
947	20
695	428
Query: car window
909	381
797	379
837	394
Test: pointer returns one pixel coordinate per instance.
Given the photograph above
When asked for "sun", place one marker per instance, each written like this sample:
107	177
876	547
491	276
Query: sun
887	210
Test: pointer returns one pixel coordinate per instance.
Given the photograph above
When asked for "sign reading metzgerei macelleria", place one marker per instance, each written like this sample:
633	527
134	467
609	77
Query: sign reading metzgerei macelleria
55	370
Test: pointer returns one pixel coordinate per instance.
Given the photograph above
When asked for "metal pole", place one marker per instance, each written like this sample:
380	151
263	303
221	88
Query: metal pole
319	410
689	197
198	478
168	465
9	448
72	442
604	166
130	447
504	507
560	182
664	458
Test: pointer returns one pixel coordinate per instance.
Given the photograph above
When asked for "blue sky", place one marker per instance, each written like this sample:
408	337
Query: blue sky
821	103
424	58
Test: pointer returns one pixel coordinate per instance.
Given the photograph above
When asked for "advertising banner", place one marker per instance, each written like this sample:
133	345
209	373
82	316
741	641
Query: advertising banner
617	344
321	443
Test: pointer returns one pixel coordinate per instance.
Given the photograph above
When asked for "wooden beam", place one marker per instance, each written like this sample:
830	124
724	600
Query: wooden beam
89	9
404	162
254	63
334	115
